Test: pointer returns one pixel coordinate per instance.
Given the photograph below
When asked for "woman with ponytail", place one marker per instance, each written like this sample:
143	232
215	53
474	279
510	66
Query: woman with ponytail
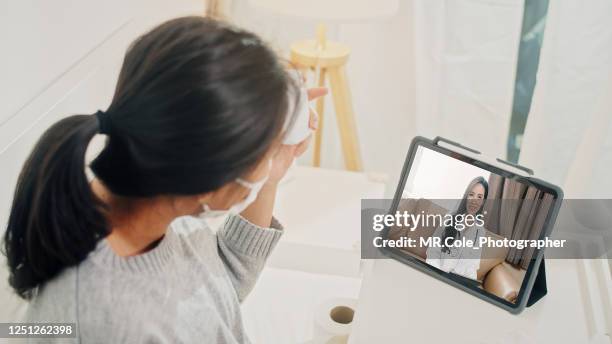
194	131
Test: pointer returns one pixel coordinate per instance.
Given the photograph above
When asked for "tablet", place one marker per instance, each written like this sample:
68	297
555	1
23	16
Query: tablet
479	225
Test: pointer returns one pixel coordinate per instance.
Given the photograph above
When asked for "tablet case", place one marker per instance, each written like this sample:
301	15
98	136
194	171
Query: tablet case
539	288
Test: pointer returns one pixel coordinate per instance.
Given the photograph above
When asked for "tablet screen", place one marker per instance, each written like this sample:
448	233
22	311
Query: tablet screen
478	226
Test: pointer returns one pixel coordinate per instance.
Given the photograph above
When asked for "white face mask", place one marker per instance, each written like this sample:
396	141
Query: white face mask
237	208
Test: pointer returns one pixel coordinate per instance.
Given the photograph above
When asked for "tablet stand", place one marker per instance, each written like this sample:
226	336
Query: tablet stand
539	286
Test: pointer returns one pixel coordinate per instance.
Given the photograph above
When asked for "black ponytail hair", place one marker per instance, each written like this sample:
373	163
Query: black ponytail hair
450	231
198	103
55	219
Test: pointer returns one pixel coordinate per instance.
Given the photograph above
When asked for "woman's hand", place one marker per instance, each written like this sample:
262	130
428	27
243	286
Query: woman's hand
287	153
260	211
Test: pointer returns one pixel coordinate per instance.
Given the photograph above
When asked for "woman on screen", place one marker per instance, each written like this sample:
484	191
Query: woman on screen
457	259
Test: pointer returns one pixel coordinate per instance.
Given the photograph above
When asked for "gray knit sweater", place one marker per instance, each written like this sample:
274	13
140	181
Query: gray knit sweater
187	289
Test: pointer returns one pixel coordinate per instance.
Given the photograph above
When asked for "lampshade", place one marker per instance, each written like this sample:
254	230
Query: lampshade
330	10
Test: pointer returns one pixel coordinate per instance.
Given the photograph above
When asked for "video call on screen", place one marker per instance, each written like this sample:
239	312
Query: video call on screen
470	212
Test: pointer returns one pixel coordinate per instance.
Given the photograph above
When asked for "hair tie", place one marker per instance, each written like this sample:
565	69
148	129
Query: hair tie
103	122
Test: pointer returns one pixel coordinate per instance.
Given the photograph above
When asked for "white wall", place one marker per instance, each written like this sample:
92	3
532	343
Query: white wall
59	58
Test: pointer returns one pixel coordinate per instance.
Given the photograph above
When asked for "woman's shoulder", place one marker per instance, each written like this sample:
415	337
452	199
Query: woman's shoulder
480	230
55	301
191	233
477	229
189	226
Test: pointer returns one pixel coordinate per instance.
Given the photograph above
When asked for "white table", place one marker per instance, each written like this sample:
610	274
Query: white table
398	304
281	307
321	212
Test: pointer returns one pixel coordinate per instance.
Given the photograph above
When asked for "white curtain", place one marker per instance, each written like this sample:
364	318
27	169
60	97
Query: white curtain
568	134
466	54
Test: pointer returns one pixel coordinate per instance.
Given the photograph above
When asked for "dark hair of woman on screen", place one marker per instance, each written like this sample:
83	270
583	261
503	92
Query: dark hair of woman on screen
461	260
193	132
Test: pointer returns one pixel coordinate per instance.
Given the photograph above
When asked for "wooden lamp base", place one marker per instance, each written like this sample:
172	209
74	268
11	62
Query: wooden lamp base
329	60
